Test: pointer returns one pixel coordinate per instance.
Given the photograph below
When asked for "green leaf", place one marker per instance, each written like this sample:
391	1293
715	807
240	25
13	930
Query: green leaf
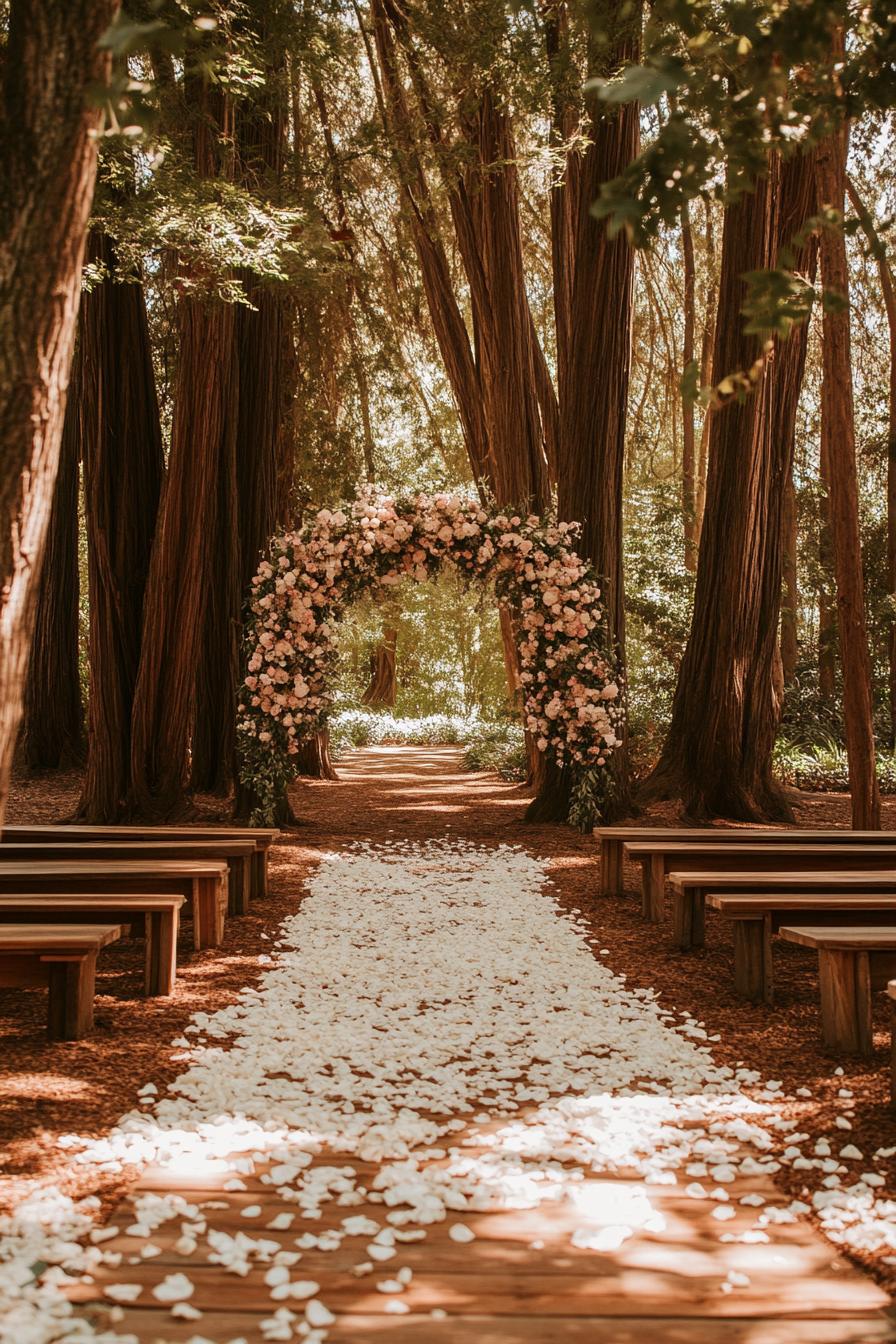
637	84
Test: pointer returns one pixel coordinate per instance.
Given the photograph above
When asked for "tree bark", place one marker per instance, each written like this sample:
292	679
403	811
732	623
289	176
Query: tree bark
246	502
717	755
47	178
53	723
592	278
688	453
121	447
789	589
198	490
839	443
888	290
313	760
380	693
798	202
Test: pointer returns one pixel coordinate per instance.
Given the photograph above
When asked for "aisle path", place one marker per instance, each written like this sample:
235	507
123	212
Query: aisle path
440	1117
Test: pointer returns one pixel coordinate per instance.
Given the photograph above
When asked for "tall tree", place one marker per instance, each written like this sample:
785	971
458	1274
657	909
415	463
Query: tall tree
53	723
246	502
888	292
47	176
838	443
121	446
717	754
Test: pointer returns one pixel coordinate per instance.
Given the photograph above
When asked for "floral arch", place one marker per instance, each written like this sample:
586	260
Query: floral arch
570	689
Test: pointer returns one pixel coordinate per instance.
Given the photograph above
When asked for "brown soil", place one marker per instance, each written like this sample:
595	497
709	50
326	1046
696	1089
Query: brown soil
416	793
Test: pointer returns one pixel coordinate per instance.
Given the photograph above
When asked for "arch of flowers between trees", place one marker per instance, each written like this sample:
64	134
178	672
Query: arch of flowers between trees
569	687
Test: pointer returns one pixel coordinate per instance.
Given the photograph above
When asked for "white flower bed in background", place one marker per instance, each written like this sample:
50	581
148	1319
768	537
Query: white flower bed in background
421	990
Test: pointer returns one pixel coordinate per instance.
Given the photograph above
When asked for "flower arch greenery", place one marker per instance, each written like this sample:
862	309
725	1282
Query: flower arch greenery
570	689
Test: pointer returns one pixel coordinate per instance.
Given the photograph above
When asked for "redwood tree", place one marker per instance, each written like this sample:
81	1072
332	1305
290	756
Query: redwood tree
51	61
121	448
53	723
838	443
717	755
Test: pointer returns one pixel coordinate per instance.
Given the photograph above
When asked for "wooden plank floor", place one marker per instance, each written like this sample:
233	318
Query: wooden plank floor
520	1281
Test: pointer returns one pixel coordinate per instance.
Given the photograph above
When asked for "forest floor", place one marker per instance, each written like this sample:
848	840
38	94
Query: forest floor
398	795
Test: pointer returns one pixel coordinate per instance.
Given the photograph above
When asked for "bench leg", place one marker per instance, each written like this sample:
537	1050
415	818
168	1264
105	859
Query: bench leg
611	868
239	877
161	952
72	987
845	982
260	873
753	960
208	912
688	919
653	888
893	1052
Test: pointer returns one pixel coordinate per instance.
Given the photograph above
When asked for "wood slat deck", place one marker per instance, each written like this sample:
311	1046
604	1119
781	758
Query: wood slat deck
665	1286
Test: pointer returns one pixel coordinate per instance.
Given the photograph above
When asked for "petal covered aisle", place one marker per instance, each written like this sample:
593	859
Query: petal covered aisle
437	1117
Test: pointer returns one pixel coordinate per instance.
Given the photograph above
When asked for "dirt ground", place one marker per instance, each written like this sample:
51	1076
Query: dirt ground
48	1089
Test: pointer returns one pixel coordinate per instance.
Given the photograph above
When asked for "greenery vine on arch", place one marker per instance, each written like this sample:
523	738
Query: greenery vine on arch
570	688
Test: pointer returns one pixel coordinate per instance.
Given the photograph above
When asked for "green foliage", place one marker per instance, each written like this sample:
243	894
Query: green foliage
500	747
823	768
746	77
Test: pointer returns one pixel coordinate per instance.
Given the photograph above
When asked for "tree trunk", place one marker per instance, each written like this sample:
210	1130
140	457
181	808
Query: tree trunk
717	755
688	462
121	447
839	444
313	760
798	202
47	177
53	724
380	693
827	611
249	470
190	582
789	590
592	278
888	290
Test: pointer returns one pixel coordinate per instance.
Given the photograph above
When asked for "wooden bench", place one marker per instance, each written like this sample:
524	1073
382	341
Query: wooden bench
757	916
202	881
660	857
851	964
158	915
260	836
237	854
62	957
691	889
612	839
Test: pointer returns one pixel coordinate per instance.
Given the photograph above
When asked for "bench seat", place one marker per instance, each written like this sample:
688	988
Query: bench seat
158	915
237	854
62	957
852	962
262	837
757	916
690	890
611	840
658	859
202	881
